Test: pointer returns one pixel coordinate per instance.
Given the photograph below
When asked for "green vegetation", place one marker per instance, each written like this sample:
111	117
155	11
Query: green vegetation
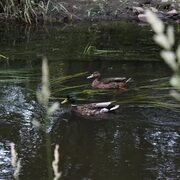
43	96
3	57
21	10
35	11
167	41
17	76
91	50
28	11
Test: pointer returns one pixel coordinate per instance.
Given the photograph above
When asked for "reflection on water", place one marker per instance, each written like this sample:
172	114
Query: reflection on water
5	161
123	147
162	158
139	141
17	111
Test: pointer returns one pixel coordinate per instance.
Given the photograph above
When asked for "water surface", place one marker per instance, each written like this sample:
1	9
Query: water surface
139	141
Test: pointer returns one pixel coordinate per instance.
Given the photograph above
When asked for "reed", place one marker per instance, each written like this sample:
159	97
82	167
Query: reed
17	76
15	162
3	57
165	38
28	10
92	50
43	96
31	11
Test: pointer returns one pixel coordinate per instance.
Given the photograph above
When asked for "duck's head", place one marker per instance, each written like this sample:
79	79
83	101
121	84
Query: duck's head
95	74
69	99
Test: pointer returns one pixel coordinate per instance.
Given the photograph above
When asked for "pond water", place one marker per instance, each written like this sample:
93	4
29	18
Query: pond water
140	141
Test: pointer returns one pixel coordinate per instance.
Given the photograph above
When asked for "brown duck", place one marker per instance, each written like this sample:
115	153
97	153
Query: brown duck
92	109
108	83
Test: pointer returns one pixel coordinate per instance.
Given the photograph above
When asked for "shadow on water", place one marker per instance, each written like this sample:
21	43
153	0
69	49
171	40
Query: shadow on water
139	141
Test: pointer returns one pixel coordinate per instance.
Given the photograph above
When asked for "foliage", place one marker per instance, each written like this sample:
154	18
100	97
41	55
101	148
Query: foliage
3	57
167	41
43	96
15	162
28	10
92	50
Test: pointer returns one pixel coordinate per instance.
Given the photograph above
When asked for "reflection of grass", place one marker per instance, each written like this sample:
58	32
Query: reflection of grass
65	89
66	78
153	93
17	76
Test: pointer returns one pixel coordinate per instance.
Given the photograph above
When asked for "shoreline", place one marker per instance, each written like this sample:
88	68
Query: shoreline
52	11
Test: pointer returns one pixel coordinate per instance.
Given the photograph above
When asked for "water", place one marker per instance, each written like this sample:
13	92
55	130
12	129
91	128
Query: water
140	141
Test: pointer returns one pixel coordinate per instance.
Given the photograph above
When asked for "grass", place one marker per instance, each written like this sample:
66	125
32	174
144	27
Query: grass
3	57
27	11
66	78
153	93
92	50
31	11
17	76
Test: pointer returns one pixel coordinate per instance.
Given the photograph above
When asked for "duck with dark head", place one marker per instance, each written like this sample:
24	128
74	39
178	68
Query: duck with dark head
92	109
108	83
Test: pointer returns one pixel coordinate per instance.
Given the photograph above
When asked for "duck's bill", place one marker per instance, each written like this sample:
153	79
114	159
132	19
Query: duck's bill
91	76
64	101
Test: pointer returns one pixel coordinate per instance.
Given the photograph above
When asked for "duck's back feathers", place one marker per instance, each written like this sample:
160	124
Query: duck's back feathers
101	104
94	109
109	83
114	79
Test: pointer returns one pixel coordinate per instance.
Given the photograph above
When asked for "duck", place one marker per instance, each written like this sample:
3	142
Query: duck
92	109
108	83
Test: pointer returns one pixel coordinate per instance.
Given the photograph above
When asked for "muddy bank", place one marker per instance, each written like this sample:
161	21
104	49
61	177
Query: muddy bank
85	10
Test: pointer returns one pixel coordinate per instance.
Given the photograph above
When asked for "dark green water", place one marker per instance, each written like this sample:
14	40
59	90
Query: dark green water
140	141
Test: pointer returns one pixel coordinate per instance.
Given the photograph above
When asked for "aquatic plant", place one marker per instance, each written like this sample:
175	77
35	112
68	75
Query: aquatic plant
167	42
17	76
4	57
92	50
66	78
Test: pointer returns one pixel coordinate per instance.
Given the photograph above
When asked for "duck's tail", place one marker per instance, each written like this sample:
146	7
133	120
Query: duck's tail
109	108
114	108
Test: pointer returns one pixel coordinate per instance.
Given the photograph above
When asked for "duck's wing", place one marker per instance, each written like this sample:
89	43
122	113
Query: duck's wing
109	108
114	79
100	105
96	108
114	107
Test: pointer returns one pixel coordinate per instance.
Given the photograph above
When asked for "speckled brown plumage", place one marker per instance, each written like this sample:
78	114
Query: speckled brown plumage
92	109
108	83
